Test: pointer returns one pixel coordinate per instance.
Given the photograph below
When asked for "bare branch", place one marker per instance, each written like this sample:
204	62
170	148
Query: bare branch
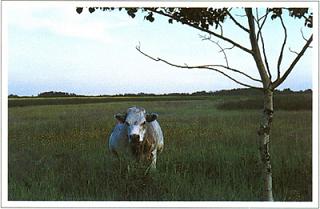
282	48
293	51
204	30
304	38
263	22
221	29
265	56
237	23
256	51
295	61
262	43
227	64
217	43
256	19
235	70
264	16
229	48
208	67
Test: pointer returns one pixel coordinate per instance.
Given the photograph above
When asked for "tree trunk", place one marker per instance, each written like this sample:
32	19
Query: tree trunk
264	141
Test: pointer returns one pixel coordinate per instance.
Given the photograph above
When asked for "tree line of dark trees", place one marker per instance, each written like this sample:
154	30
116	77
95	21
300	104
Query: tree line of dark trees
230	92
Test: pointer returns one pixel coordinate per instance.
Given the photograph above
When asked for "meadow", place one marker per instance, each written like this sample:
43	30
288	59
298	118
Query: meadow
59	152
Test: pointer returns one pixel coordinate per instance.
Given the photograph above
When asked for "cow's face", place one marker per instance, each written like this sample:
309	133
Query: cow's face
135	119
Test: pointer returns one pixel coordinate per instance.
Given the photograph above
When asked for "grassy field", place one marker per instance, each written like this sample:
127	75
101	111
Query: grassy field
59	152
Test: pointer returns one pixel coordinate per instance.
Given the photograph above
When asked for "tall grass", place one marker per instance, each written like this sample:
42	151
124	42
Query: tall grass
60	153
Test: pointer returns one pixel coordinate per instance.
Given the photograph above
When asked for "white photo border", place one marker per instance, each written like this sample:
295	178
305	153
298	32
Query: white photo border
220	204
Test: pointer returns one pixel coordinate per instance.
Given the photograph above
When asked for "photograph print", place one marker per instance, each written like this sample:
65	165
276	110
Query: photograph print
195	103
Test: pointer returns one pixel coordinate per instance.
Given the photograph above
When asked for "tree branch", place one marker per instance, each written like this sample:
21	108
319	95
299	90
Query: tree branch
295	61
264	20
235	70
217	43
237	23
293	51
221	29
259	34
256	51
304	38
282	48
208	67
202	29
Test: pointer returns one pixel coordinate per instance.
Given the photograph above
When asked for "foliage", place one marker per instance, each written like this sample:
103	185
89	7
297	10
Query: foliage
56	94
296	13
59	153
202	17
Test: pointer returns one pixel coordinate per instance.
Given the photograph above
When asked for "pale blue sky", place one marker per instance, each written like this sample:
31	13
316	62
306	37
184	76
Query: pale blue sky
52	48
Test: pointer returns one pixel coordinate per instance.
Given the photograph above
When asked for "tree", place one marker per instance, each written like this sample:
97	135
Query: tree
209	21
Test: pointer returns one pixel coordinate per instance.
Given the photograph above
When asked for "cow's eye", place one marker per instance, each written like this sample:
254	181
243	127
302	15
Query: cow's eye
144	123
126	123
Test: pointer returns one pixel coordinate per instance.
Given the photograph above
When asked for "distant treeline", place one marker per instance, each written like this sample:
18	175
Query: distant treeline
56	94
50	94
231	92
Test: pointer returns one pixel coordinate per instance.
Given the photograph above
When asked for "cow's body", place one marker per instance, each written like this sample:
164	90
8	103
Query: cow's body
134	136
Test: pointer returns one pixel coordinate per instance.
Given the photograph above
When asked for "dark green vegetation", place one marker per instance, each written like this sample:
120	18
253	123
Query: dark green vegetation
282	102
58	152
251	98
21	102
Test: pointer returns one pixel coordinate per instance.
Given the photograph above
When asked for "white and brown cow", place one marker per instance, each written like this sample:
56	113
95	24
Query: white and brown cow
137	134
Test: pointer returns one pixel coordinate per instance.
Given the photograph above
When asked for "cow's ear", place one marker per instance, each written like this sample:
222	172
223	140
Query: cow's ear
151	117
120	117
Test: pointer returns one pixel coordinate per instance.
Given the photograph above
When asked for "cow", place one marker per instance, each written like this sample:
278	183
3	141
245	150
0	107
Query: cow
137	134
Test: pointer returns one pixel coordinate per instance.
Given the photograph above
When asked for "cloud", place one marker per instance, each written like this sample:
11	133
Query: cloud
62	20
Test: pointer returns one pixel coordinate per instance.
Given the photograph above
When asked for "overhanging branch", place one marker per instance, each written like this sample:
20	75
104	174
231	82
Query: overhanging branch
208	67
202	29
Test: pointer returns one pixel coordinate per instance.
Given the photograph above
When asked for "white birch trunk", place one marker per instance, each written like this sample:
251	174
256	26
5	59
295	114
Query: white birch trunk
264	142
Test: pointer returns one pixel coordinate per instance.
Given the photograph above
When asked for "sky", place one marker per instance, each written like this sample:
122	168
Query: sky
53	48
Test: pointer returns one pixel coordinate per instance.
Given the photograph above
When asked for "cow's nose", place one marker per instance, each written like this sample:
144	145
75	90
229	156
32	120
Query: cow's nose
134	138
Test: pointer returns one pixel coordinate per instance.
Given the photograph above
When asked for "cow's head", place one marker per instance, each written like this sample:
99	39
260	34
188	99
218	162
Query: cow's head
135	119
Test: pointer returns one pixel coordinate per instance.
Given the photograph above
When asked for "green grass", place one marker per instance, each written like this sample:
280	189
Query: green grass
59	152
